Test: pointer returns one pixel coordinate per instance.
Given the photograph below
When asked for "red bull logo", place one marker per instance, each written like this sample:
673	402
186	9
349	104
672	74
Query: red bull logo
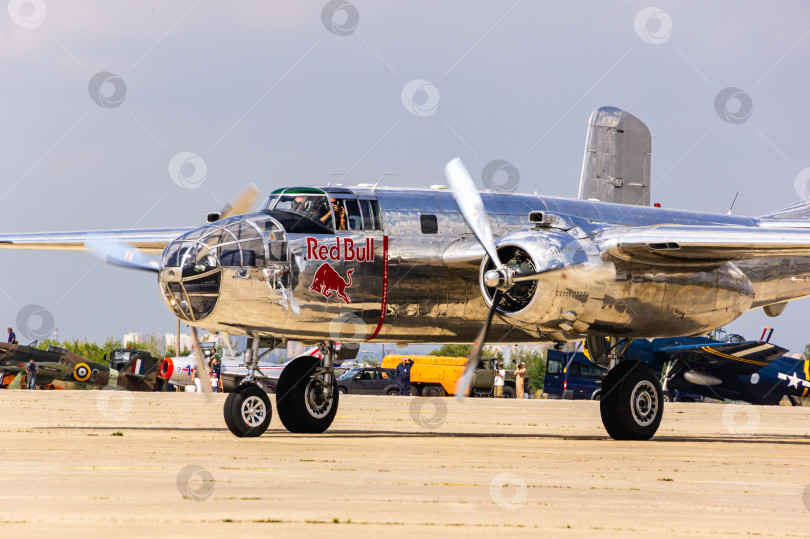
342	249
327	280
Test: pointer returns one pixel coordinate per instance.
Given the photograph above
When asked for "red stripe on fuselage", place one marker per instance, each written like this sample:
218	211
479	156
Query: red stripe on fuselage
384	298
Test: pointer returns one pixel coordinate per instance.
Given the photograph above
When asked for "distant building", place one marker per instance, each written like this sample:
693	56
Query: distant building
185	341
135	337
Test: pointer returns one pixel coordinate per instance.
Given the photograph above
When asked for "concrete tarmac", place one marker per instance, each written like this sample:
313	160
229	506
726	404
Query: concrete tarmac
120	464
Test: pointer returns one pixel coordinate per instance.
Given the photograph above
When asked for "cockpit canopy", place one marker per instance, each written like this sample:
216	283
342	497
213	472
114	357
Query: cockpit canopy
312	210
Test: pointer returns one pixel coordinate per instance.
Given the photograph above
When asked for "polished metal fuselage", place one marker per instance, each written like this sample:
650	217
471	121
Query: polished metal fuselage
426	287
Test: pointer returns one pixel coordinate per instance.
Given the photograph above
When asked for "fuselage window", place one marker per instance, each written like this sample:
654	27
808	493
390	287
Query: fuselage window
429	224
371	215
278	251
347	214
252	252
353	219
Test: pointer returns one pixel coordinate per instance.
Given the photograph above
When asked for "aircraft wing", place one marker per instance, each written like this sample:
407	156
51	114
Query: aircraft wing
47	371
148	240
700	245
729	358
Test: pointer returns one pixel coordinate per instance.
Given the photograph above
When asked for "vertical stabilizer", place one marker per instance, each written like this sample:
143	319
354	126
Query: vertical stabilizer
616	166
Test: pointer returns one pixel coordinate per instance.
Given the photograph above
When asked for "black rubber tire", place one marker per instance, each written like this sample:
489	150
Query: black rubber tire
343	390
291	398
632	402
433	390
668	396
596	395
233	410
392	392
509	392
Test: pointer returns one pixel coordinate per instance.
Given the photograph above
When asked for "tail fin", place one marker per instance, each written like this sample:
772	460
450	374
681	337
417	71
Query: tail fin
616	166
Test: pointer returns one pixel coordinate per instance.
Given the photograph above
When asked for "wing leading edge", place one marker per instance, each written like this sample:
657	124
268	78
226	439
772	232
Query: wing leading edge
148	240
700	245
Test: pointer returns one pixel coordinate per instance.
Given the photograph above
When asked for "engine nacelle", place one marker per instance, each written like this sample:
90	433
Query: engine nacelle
642	300
538	302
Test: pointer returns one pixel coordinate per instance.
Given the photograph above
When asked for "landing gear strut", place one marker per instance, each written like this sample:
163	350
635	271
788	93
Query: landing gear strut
632	402
306	395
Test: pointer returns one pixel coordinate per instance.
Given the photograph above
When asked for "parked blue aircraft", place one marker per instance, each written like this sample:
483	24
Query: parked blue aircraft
725	368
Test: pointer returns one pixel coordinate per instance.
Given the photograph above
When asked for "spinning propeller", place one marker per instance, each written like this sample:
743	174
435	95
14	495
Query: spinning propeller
502	277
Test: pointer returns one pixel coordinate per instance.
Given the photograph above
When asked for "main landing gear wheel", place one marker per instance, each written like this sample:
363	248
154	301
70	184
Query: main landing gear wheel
632	402
306	403
248	411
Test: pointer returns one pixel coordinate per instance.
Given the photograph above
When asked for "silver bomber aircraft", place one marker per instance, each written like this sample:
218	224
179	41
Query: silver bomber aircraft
453	265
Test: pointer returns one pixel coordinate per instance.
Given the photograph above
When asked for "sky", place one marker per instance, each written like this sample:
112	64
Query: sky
152	114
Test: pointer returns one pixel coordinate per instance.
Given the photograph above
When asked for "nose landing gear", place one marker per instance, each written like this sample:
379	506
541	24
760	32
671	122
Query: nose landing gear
248	411
306	397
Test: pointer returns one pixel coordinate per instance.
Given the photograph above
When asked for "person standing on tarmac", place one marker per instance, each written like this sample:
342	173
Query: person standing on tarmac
404	376
31	370
216	370
12	338
520	380
498	376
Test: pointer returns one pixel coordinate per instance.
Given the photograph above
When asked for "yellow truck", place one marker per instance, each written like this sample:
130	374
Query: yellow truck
436	376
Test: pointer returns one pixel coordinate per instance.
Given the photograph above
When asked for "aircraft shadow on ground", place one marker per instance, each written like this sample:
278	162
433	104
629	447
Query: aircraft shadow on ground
782	439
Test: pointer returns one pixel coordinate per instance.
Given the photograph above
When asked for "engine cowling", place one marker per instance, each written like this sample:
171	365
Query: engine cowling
539	302
178	370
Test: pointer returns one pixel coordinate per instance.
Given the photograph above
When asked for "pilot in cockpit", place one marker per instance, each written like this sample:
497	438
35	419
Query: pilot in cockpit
302	203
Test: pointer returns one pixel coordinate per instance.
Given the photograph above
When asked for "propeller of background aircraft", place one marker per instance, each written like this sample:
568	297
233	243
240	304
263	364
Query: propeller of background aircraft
502	278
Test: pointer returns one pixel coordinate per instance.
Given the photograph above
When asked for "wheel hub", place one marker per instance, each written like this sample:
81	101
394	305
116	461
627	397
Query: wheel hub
644	403
318	397
253	411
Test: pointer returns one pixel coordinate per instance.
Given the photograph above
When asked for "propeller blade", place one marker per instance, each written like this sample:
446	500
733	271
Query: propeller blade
202	370
121	254
472	207
228	344
463	384
242	204
592	273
